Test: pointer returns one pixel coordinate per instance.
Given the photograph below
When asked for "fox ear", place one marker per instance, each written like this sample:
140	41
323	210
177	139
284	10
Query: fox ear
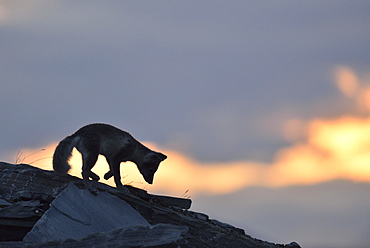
154	157
161	156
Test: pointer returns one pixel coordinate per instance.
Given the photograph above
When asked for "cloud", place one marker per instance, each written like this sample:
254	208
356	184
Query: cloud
346	81
333	149
353	86
177	174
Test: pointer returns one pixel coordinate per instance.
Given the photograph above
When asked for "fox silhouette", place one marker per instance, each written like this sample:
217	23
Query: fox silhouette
115	144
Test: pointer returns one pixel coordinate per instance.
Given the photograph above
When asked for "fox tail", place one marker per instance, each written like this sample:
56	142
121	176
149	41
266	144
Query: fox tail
62	154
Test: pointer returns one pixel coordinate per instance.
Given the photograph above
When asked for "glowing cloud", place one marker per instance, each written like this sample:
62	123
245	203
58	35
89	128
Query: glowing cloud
334	149
176	175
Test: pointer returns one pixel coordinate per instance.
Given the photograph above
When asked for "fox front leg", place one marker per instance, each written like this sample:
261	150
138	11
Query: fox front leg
114	171
94	177
88	162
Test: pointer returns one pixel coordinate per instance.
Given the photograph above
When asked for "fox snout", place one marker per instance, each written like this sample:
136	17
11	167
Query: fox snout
149	178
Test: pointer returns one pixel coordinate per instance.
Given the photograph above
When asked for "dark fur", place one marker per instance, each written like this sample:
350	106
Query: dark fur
116	145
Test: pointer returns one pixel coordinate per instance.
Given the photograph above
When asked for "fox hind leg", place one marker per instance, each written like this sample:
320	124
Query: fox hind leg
89	161
108	175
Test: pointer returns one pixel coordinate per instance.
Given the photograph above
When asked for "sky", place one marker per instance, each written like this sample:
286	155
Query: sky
261	107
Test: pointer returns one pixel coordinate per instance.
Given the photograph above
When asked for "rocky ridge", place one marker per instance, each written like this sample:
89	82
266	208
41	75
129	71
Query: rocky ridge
27	193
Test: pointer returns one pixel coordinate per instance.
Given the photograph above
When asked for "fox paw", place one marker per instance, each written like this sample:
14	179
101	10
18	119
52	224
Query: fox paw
122	188
108	175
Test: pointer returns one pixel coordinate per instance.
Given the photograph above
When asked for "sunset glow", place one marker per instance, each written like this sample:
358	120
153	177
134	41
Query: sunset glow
335	149
328	149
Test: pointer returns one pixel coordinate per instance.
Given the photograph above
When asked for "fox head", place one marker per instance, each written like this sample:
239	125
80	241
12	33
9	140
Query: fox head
150	165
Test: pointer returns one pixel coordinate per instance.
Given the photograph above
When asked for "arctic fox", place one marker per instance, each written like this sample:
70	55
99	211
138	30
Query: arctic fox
115	144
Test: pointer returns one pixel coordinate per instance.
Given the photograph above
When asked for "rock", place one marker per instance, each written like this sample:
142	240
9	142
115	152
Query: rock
17	219
4	203
76	213
31	191
164	200
160	235
293	245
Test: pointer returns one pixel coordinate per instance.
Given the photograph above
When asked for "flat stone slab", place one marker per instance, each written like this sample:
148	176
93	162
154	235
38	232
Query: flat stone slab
156	236
76	213
4	203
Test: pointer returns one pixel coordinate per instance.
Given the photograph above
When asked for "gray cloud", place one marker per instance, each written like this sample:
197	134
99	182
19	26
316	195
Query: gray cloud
224	75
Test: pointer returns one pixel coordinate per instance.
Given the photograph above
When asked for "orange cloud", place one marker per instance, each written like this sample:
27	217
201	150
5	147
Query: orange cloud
353	86
176	175
346	81
334	149
344	137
